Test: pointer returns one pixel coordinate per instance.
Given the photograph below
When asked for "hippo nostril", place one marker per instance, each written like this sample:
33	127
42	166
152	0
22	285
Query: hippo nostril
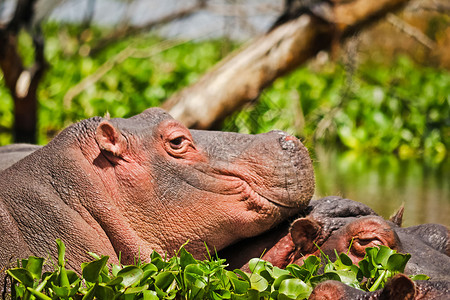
289	143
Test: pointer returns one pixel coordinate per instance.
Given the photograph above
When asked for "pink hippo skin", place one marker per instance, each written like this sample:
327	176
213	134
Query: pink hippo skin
131	186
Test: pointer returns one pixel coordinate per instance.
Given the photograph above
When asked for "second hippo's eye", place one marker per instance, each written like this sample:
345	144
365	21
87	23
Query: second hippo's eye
360	244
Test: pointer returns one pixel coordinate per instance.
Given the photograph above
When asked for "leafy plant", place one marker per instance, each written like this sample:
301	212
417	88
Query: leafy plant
183	277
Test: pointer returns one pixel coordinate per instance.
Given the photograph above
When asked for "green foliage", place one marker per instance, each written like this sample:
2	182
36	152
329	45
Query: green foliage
403	108
183	277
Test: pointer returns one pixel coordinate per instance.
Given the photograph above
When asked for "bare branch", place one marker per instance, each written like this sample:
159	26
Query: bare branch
412	31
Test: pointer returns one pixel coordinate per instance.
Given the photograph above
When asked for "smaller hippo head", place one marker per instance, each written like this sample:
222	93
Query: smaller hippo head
333	224
173	185
353	238
398	287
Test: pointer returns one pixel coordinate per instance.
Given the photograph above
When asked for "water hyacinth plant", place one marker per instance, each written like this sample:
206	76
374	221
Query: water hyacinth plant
184	277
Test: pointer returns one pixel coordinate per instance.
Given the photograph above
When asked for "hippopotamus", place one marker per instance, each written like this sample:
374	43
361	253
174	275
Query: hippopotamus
399	287
126	187
334	223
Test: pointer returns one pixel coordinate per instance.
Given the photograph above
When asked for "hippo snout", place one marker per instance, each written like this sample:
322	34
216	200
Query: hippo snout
276	166
292	183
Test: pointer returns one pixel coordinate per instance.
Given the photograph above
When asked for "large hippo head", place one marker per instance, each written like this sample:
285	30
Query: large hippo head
147	183
174	184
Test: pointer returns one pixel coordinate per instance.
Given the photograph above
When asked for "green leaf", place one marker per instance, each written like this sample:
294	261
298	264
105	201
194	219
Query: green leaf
420	277
38	294
240	285
22	275
256	265
312	263
299	272
242	274
186	258
60	291
367	268
114	269
295	288
34	266
383	255
345	259
63	279
164	279
150	295
130	275
92	270
258	282
91	292
104	292
315	280
135	290
61	252
397	262
115	281
276	284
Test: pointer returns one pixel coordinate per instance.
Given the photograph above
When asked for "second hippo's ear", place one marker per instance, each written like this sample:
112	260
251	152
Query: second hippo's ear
304	233
399	287
110	139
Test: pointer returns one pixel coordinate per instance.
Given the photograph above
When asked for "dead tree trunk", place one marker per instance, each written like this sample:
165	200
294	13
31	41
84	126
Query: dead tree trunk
241	77
21	81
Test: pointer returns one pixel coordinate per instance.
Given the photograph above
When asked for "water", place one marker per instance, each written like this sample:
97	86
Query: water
384	183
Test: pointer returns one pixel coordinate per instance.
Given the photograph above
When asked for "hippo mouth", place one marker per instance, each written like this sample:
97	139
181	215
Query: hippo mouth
271	200
261	199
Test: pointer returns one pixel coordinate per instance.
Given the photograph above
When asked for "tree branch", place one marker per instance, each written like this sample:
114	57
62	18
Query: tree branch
241	77
412	31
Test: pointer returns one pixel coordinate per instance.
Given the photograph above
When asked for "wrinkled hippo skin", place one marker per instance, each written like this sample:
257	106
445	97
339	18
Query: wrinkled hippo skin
11	154
347	226
400	287
147	183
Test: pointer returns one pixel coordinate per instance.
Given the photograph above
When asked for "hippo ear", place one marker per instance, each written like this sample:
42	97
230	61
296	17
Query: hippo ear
397	217
304	232
399	287
110	139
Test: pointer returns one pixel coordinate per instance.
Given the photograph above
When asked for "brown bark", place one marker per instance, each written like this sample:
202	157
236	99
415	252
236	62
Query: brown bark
22	82
241	77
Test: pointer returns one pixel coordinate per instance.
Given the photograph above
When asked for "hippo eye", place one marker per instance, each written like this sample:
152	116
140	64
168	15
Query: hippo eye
360	245
175	143
178	146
